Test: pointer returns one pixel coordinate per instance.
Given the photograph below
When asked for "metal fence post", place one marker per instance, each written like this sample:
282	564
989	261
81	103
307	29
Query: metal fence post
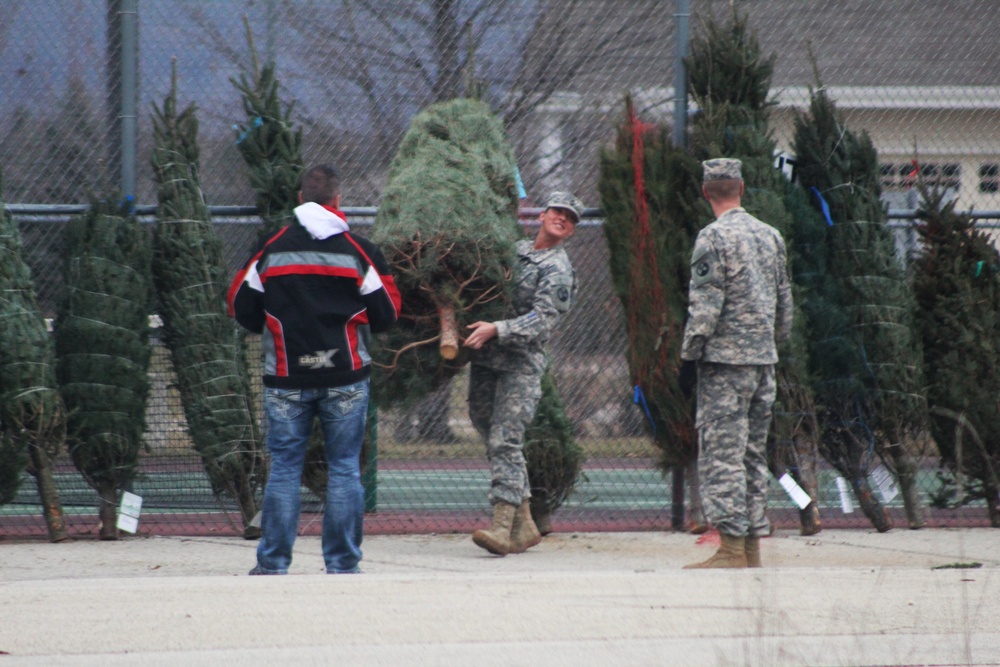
123	77
681	21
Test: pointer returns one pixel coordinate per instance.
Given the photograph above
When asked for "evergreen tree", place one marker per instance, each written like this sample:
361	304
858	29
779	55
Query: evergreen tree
272	149
956	280
208	353
447	225
103	349
552	455
730	79
650	199
867	360
270	145
32	414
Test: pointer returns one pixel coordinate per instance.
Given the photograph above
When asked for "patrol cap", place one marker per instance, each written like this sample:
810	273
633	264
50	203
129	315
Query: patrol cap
567	201
721	169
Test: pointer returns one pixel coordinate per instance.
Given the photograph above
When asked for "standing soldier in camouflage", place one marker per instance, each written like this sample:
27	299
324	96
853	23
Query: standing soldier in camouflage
509	359
740	307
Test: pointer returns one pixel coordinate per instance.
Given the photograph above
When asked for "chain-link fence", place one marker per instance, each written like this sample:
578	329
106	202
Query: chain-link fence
923	79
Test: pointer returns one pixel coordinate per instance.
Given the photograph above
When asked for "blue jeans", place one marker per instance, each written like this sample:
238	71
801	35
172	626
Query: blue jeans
342	412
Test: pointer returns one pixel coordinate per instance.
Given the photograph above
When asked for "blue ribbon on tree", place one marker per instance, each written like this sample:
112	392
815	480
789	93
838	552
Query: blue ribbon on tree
257	122
639	398
521	192
823	205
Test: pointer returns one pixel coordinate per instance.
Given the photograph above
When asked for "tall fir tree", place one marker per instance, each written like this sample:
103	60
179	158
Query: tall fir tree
102	346
956	280
730	79
270	143
650	199
208	353
271	146
866	356
32	413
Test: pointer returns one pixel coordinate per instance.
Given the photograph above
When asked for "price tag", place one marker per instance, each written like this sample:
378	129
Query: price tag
885	484
845	496
128	512
794	491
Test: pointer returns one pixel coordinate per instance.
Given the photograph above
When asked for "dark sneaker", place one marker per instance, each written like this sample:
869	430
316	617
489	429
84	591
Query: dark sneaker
258	570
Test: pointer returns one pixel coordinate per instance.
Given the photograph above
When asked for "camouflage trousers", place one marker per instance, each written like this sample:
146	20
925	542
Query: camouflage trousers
734	414
501	406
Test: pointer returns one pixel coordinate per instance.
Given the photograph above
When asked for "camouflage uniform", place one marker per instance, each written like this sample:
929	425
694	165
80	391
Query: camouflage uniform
505	375
740	308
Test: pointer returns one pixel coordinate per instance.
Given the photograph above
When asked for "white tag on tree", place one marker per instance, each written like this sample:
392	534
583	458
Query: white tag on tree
128	512
845	496
885	484
794	491
128	523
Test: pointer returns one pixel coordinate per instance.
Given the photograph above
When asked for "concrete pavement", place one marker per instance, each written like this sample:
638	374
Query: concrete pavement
843	597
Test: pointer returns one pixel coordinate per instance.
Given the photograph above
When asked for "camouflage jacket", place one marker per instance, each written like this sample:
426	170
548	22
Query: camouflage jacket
740	298
544	288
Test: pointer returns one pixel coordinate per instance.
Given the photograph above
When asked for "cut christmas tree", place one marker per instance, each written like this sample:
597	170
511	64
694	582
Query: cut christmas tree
447	225
270	144
271	147
649	198
102	345
866	357
552	455
32	413
208	353
956	280
730	79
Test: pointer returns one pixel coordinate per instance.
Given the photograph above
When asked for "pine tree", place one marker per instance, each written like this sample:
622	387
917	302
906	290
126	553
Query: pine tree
648	196
208	354
867	359
552	455
103	350
448	226
956	280
32	413
730	80
270	144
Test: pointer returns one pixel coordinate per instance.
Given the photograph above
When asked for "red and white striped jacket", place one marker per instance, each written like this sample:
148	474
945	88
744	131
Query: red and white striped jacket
316	293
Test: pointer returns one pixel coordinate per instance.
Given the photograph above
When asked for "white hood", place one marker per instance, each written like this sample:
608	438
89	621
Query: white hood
320	222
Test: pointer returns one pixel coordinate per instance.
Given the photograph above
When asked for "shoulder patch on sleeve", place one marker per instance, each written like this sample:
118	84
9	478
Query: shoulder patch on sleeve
562	293
704	266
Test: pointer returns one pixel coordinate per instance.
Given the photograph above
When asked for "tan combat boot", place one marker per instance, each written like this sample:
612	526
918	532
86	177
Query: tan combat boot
524	534
751	547
496	538
731	553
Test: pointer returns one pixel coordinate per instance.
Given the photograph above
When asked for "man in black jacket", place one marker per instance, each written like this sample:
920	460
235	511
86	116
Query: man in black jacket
316	293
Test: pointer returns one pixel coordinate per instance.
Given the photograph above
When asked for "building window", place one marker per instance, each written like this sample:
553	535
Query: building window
888	175
989	177
899	181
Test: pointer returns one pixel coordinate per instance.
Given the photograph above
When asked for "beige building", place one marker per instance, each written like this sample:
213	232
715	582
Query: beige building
922	78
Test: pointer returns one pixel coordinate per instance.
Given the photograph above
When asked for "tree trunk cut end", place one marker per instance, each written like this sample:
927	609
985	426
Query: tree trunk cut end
449	332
